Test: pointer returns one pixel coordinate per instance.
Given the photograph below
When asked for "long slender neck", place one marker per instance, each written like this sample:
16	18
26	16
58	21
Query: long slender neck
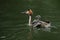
29	20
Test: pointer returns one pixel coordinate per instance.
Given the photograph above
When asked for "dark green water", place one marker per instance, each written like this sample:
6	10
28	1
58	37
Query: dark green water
12	22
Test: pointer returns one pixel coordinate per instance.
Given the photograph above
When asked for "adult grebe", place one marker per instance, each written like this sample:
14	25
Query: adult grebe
29	13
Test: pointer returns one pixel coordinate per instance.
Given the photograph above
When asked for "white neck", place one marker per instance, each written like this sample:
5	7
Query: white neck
29	20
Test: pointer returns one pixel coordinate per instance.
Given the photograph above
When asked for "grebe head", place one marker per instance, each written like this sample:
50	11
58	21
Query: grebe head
38	17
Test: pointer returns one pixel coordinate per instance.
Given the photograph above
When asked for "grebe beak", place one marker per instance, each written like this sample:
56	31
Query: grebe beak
23	12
